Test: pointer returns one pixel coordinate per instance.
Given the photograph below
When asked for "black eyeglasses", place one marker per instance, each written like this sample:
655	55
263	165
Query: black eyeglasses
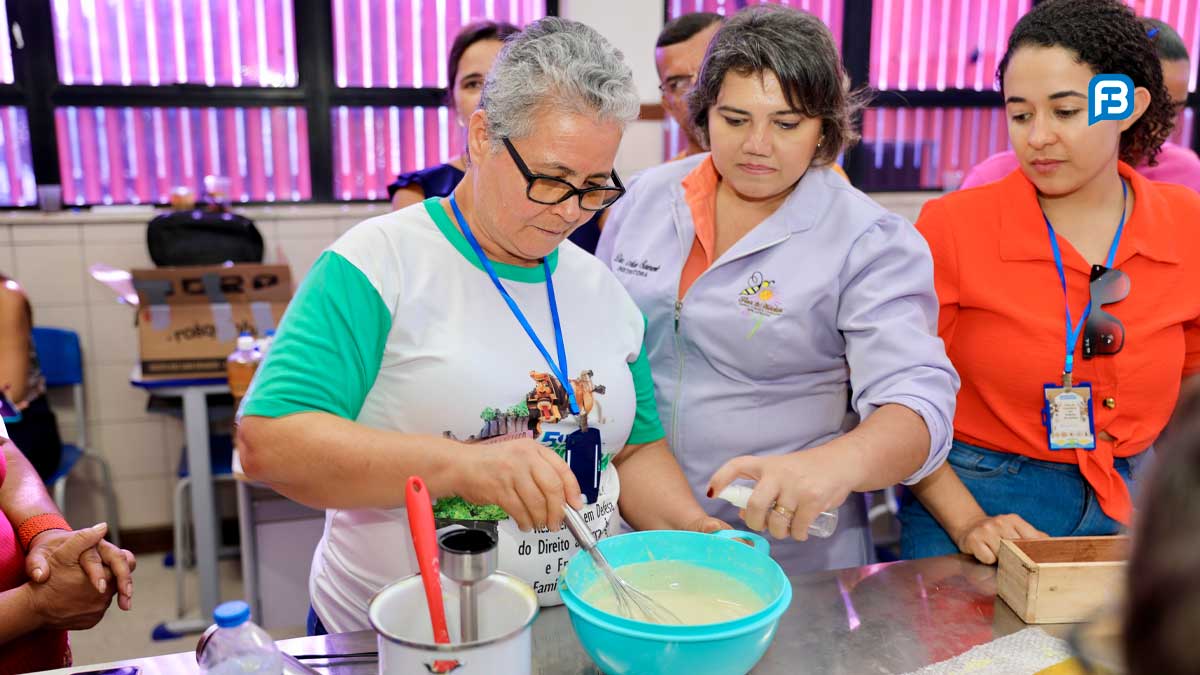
1103	333
545	189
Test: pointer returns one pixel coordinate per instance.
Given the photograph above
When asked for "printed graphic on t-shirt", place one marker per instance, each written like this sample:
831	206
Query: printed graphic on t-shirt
545	415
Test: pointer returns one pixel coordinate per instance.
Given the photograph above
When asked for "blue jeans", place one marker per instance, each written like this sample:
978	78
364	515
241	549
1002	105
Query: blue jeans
313	624
1052	497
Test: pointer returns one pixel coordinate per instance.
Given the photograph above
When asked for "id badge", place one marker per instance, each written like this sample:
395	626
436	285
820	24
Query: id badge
583	456
1067	415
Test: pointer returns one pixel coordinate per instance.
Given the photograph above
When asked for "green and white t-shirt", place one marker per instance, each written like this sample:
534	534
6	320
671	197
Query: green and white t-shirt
398	327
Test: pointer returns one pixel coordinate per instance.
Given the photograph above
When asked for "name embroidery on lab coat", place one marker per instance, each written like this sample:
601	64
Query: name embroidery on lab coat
641	268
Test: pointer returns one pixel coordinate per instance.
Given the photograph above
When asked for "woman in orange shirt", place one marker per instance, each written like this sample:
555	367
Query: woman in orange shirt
1068	293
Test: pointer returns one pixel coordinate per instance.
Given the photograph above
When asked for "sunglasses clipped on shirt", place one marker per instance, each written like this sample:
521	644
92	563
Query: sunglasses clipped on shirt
1103	333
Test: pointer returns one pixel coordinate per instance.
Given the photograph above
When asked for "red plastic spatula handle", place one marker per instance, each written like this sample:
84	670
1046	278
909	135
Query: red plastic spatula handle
420	521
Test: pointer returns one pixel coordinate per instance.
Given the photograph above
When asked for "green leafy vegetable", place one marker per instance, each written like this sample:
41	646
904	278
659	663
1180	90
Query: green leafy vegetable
457	508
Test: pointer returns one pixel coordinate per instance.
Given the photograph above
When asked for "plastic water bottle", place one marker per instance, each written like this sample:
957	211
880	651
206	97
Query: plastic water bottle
238	647
241	364
263	344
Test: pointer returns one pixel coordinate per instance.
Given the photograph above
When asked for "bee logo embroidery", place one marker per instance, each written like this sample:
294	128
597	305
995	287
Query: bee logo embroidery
758	298
757	284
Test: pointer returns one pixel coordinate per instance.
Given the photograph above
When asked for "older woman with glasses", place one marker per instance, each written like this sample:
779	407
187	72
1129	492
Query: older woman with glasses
1068	296
790	317
461	340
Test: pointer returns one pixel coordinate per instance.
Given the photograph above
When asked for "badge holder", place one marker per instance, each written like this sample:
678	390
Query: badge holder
1067	415
583	456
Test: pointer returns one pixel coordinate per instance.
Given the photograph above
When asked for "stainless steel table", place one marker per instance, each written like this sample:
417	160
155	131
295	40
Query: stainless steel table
887	618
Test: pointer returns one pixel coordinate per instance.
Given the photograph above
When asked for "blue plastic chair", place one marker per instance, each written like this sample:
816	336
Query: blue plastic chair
61	360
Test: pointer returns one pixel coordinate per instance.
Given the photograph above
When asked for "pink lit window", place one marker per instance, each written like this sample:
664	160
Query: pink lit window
137	155
235	43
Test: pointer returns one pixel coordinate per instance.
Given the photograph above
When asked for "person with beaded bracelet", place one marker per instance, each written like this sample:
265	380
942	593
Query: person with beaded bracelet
52	579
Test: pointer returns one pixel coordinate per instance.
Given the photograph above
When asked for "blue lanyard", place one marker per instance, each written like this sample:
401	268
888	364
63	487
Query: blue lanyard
558	371
1073	330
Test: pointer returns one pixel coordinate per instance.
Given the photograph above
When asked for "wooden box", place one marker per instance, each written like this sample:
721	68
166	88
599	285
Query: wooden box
1061	580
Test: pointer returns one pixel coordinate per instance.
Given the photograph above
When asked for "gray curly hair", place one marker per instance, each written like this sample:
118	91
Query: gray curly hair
559	64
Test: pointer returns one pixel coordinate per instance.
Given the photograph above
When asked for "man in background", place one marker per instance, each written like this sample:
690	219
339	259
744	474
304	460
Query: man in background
678	54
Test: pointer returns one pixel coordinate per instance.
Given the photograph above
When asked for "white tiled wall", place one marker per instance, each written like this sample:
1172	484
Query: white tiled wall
632	26
641	148
52	274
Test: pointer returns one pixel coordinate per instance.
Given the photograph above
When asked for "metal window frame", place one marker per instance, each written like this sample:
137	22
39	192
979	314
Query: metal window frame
36	87
856	57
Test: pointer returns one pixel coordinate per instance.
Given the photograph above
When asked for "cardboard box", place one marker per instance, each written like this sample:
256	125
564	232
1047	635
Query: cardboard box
189	318
1062	579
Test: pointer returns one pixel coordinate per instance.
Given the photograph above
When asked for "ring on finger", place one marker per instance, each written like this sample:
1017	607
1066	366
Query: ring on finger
784	511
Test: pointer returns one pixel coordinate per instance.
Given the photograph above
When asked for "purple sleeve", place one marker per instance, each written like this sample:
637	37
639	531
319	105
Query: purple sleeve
888	313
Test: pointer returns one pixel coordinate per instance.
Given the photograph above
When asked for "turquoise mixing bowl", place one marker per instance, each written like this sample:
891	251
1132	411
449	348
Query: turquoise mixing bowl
622	646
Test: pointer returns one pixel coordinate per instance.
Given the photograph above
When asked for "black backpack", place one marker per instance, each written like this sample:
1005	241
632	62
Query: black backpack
203	238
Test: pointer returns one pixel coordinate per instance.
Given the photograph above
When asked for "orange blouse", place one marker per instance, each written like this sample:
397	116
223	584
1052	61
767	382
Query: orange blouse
1002	319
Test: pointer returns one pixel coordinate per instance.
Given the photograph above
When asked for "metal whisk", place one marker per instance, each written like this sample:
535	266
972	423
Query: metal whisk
631	602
